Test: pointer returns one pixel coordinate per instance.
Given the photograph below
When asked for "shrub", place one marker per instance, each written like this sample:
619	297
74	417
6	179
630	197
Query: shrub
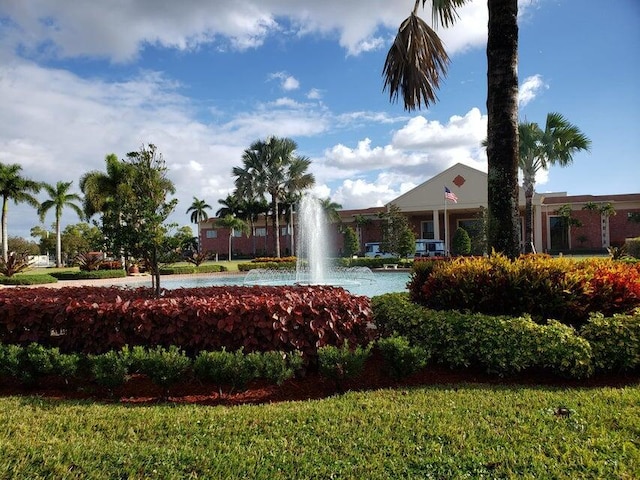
422	268
89	261
276	367
633	247
564	352
16	262
37	361
395	313
245	267
23	279
211	268
274	260
163	366
615	341
10	360
111	265
340	363
401	359
178	270
89	275
109	369
225	368
461	243
368	262
541	286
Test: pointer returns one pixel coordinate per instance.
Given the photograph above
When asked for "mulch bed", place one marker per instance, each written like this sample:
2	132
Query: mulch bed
140	390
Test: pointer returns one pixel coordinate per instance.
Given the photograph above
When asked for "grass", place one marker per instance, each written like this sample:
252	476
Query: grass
463	431
232	266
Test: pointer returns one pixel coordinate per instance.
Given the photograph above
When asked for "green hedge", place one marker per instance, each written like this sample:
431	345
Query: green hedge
615	341
499	344
373	262
211	268
92	275
178	270
28	280
245	267
632	246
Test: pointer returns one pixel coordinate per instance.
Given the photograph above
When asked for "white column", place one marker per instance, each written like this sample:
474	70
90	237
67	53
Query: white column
537	228
436	225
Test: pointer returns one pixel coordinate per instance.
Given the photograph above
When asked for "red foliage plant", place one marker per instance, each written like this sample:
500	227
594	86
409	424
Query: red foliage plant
98	319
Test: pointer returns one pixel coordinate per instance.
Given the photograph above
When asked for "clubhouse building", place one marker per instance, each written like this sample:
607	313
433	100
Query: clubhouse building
561	223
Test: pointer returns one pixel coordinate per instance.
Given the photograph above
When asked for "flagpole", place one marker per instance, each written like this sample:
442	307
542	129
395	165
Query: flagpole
446	227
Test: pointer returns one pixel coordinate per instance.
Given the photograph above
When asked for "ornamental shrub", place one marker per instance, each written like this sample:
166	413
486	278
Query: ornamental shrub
563	352
226	368
276	367
615	341
461	243
164	366
26	279
177	270
401	358
109	369
37	361
10	360
211	268
394	313
341	363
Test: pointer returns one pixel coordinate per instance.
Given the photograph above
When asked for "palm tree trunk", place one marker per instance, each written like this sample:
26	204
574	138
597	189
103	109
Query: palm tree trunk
276	221
58	243
528	214
502	127
5	239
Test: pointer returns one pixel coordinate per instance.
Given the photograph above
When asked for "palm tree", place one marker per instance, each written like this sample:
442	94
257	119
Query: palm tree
102	190
19	189
59	197
272	168
539	149
413	68
231	205
233	224
198	211
331	210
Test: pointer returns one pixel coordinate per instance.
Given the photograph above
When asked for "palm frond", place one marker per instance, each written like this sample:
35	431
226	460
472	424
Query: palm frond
415	64
444	11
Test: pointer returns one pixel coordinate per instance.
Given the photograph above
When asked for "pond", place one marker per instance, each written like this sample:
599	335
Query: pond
383	282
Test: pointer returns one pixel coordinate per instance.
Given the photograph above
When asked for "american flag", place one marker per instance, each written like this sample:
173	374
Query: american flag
449	195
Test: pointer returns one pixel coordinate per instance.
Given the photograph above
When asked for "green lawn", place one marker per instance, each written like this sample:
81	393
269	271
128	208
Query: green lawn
447	432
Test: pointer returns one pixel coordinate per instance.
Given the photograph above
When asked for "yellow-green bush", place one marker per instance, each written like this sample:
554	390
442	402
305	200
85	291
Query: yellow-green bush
615	341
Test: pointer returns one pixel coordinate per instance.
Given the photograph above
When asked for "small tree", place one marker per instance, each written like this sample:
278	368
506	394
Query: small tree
407	244
461	242
233	224
351	243
396	232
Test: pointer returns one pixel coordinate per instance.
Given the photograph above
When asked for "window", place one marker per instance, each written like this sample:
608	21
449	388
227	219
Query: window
260	232
427	230
211	234
284	231
559	232
237	233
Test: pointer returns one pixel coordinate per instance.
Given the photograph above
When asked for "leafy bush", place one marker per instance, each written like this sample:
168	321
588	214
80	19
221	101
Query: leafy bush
422	268
615	341
25	279
163	366
276	367
401	359
368	262
226	368
109	369
198	258
461	243
37	361
178	270
89	275
340	363
211	268
89	261
245	267
633	247
16	262
10	360
274	260
499	344
539	285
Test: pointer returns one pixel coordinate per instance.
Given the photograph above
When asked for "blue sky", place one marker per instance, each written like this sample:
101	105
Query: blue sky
203	79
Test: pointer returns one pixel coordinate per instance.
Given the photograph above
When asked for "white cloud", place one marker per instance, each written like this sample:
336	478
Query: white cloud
119	31
529	89
314	94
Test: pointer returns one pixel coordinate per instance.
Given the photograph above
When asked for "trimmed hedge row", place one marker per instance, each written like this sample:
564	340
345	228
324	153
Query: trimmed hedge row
89	275
27	280
539	285
506	345
98	319
245	267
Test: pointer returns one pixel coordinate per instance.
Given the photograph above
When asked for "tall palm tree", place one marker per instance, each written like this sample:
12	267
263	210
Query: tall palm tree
231	205
539	149
272	168
59	197
19	189
413	68
198	211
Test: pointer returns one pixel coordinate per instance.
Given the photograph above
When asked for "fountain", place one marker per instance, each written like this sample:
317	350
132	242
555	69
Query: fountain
312	267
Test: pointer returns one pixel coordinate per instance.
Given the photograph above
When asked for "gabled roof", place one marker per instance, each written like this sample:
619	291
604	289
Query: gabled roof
467	183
